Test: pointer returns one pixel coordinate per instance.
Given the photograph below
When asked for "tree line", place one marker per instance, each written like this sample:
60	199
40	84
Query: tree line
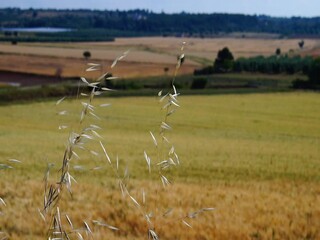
275	64
143	22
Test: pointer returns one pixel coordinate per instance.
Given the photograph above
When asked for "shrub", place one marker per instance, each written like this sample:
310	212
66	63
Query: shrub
199	83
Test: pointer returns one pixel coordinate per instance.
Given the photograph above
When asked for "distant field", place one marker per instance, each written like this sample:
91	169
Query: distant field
72	67
148	56
255	158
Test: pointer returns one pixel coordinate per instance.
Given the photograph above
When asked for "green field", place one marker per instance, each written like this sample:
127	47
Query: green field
254	157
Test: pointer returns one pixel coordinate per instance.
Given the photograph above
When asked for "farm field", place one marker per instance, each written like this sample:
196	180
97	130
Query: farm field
148	55
252	157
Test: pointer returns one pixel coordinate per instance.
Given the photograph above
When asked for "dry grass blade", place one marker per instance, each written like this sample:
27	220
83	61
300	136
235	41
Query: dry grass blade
174	89
14	160
96	134
94	126
79	167
180	60
107	89
64	112
61	100
174	103
93	67
105	225
183	45
5	166
41	215
75	154
165	139
207	209
114	63
171	112
148	160
187	224
117	162
96	168
79	236
59	219
165	164
126	173
105	105
105	152
164	180
98	93
119	58
84	80
168	212
61	127
122	188
164	97
134	201
171	150
87	105
165	126
154	139
102	76
94	115
2	202
177	158
112	78
147	217
86	136
153	235
143	197
87	228
174	96
69	221
94	153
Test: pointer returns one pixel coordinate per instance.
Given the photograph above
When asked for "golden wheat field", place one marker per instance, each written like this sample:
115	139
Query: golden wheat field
253	158
148	56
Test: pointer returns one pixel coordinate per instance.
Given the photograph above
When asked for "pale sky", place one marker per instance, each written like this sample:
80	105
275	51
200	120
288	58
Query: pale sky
280	8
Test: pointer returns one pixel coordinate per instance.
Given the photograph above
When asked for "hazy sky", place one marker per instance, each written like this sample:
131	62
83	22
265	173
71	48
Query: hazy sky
286	8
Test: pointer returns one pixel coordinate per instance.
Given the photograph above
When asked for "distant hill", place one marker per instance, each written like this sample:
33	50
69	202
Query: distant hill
146	23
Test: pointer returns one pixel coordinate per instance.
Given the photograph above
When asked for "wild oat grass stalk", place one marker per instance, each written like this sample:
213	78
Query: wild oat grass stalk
77	139
164	160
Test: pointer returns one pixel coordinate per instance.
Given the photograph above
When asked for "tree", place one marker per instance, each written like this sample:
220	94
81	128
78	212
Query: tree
314	73
86	55
278	52
166	70
313	76
301	44
224	61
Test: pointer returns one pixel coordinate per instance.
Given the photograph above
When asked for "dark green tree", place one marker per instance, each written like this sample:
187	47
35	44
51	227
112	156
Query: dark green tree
224	61
314	73
301	44
86	55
